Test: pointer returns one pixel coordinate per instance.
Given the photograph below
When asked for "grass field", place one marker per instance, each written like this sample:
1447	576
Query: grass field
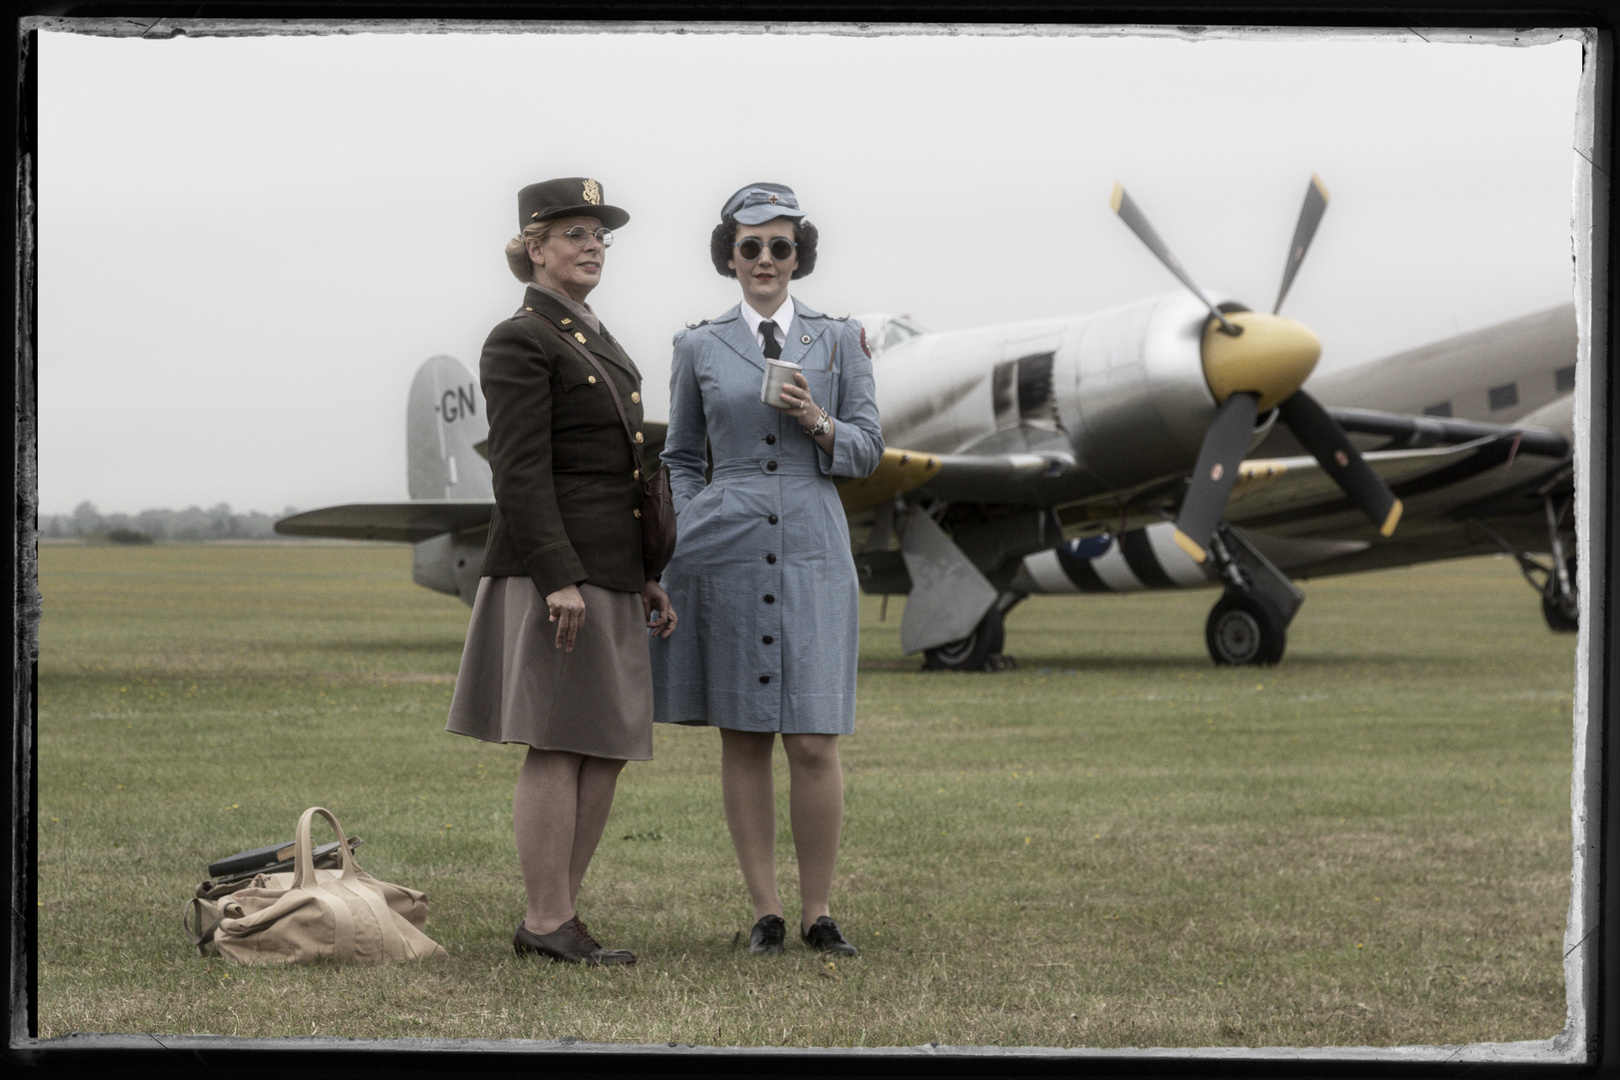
1115	845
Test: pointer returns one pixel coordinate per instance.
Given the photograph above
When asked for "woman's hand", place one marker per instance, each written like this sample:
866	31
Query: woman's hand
654	598
802	408
568	612
806	411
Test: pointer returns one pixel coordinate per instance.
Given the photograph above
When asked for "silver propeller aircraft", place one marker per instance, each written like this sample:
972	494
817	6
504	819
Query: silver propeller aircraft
1164	444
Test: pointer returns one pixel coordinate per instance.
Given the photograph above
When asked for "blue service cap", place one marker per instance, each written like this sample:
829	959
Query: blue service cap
761	202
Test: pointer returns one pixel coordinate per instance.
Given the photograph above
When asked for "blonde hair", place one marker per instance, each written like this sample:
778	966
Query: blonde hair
517	250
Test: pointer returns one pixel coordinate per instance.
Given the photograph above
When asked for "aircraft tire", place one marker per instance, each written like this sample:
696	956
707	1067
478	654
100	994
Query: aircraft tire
1560	620
973	652
1242	629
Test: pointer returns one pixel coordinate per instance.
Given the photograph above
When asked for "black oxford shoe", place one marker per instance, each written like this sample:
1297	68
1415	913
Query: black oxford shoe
825	937
767	935
571	943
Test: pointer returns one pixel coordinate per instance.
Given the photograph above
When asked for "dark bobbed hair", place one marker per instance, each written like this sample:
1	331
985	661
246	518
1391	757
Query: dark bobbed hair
725	234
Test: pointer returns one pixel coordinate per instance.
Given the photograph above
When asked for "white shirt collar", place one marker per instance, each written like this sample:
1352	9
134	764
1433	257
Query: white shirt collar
782	317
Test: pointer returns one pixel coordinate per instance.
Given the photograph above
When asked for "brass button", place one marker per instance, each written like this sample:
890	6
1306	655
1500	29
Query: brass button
591	379
636	512
636	475
635	398
579	337
639	438
526	307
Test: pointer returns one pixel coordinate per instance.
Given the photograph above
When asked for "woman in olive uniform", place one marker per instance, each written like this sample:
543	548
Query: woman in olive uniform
762	566
556	654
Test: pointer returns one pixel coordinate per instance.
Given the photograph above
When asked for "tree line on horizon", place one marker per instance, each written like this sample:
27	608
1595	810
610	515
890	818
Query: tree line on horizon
193	523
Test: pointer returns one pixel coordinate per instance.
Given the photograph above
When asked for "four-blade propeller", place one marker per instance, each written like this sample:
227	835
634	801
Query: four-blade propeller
1254	362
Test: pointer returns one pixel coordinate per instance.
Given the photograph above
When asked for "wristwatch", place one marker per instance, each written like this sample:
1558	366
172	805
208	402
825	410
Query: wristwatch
822	426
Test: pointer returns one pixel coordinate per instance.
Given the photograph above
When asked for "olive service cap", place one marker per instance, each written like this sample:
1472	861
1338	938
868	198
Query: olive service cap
761	202
565	198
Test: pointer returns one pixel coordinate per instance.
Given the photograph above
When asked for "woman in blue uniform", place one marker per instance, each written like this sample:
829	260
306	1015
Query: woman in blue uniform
763	574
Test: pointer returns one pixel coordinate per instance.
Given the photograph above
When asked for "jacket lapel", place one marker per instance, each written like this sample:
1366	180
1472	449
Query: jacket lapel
802	327
732	329
600	344
607	347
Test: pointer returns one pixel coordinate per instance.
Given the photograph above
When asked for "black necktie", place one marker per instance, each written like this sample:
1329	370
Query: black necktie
773	350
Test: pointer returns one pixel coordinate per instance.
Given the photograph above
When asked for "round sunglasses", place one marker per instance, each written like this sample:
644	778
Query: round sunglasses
750	248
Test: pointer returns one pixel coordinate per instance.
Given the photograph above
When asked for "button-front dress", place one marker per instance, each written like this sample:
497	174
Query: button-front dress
763	575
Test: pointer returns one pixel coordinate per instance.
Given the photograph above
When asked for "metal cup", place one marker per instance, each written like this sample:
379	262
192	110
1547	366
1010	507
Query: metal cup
778	373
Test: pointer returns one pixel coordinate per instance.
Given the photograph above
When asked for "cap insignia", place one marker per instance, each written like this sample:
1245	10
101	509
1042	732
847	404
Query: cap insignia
773	199
566	321
593	193
579	337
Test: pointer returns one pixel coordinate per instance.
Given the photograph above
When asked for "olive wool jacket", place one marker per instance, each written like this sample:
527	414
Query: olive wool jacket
566	493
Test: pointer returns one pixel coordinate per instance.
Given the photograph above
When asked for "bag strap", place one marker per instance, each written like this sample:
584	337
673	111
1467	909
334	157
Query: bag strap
199	919
303	859
618	403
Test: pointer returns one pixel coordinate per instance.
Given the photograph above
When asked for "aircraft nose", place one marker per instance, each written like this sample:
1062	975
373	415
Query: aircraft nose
1272	357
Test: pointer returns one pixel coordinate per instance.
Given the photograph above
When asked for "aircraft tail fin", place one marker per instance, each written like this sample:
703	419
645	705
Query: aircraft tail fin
444	422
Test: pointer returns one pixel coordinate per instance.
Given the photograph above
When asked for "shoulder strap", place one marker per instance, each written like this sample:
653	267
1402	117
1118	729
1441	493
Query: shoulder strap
635	447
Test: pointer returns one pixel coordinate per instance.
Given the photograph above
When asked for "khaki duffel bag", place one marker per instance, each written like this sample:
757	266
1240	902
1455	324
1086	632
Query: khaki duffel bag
311	914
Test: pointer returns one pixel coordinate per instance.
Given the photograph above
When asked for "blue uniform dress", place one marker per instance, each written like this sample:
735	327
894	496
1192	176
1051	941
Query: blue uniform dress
763	576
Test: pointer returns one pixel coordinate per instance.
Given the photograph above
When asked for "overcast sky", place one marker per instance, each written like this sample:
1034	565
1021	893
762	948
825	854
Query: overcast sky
248	245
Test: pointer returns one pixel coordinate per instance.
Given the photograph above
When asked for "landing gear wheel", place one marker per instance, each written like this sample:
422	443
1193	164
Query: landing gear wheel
979	651
1563	613
1242	629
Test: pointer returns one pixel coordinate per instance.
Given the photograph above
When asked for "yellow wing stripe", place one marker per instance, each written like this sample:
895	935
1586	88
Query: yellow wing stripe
898	472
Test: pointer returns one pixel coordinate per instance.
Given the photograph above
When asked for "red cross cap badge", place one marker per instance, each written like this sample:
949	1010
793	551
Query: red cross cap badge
773	198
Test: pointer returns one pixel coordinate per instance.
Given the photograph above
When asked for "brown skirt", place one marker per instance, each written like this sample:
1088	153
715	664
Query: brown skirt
517	686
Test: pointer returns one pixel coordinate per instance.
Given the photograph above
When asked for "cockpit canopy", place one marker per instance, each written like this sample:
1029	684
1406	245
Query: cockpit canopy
884	331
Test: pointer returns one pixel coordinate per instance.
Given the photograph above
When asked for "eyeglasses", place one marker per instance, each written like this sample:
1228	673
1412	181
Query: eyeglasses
579	234
781	248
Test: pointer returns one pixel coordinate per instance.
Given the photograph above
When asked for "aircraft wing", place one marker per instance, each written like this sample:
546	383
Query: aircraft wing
407	522
1421	454
1269	486
1017	478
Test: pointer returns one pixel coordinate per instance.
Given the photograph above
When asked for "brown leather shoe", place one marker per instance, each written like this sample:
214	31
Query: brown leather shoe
570	942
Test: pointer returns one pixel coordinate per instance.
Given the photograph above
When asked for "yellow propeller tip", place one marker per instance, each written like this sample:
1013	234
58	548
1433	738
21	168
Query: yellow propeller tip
1117	197
1321	188
1394	518
1190	546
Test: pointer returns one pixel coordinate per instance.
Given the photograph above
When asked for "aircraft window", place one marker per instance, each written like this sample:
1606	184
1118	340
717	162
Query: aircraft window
1564	378
1505	396
1442	409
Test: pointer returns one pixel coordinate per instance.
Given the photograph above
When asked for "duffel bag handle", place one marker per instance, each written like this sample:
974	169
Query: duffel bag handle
303	857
